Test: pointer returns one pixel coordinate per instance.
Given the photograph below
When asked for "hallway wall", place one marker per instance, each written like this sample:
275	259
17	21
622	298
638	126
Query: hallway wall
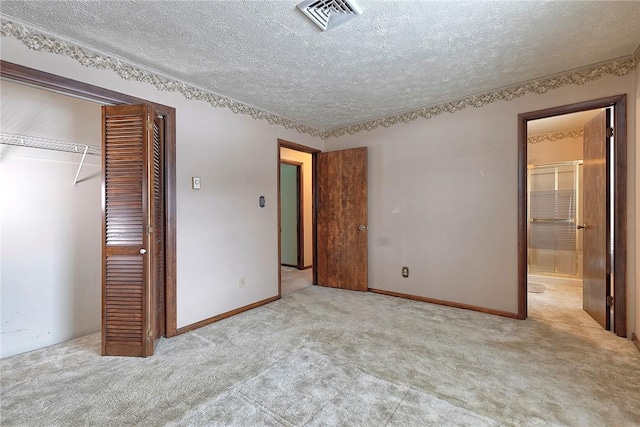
288	215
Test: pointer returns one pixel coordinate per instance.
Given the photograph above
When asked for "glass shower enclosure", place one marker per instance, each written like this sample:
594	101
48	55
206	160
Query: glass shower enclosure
555	243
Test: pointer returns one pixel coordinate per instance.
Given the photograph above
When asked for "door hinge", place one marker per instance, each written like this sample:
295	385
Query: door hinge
149	334
609	301
149	229
609	132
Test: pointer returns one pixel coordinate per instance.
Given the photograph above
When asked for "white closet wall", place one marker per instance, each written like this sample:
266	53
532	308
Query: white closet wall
50	231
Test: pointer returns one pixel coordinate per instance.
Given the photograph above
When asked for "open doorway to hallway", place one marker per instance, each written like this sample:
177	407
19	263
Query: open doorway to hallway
293	280
296	211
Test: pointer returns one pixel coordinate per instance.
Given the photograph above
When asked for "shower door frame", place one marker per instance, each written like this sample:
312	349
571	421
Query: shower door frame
577	188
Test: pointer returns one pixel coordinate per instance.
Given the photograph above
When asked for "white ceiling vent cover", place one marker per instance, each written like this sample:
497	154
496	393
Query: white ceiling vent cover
327	14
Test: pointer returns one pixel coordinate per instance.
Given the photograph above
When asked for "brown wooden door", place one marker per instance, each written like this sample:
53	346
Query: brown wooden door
130	258
342	219
596	261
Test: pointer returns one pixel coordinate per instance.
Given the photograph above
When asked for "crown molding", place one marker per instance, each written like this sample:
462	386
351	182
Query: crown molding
41	42
556	136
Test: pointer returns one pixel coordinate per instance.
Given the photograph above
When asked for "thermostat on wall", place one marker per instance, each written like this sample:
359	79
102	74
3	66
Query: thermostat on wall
195	182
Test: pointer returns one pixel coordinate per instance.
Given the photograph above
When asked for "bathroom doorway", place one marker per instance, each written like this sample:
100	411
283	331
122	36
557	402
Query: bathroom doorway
571	235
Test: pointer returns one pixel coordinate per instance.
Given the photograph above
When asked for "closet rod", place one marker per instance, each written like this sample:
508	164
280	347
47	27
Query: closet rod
48	144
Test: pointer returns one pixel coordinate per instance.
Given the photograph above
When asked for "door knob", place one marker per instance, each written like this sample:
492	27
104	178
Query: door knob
143	251
581	227
362	227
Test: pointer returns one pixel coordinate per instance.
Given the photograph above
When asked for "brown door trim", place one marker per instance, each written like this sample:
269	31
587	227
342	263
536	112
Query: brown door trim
283	143
18	73
619	103
299	213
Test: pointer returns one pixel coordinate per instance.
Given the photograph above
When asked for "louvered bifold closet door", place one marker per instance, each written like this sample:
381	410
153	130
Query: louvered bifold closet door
158	226
128	253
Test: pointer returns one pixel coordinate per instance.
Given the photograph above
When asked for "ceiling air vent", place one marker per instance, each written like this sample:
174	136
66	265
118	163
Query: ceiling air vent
327	14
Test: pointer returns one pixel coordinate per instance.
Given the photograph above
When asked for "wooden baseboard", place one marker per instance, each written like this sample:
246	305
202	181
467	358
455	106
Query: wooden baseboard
635	340
214	319
306	267
447	303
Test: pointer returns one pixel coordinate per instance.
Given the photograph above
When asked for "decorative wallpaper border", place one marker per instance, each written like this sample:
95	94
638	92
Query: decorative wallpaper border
44	43
618	67
556	136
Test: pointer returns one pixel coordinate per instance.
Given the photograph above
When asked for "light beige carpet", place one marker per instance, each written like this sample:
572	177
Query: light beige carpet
293	279
330	357
535	288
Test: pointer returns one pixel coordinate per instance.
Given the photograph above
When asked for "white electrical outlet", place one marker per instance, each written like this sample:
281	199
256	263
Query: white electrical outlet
241	282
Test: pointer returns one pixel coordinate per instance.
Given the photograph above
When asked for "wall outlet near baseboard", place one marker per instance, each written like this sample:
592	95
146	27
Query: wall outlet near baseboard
241	282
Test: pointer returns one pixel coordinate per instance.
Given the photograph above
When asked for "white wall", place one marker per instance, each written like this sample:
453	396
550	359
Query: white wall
443	199
222	232
50	242
307	189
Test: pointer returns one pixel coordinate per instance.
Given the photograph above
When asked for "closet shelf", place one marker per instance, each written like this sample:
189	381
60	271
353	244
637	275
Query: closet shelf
48	144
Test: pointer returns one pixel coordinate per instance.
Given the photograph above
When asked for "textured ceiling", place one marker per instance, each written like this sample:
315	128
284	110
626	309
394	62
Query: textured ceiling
397	56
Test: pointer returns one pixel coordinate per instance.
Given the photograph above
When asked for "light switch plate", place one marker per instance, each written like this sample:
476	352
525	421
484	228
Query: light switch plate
195	182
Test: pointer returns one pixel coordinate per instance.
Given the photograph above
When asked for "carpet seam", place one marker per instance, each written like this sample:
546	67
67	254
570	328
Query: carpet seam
417	389
397	406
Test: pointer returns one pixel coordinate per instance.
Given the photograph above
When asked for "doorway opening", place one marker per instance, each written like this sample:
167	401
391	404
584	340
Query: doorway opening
296	216
338	193
572	211
555	194
292	213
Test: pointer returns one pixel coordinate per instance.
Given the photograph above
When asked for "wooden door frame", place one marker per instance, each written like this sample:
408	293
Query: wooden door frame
283	143
299	212
40	79
619	102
